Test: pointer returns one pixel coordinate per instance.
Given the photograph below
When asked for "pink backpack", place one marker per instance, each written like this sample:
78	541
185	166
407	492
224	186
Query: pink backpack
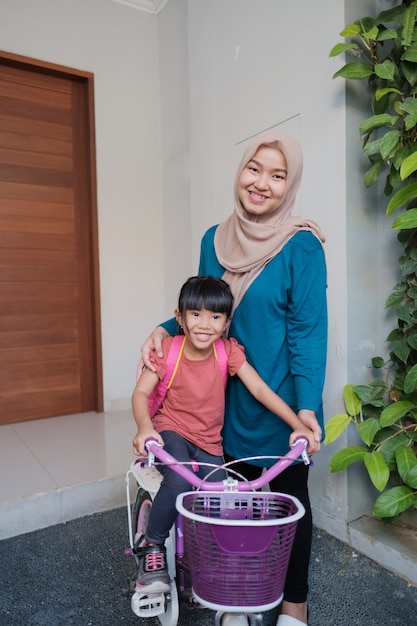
173	360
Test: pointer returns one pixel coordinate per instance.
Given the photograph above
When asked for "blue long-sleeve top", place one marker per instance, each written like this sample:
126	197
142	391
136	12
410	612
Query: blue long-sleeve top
282	323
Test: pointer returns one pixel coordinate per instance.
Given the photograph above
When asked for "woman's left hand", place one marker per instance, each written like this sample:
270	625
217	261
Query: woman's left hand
308	418
305	433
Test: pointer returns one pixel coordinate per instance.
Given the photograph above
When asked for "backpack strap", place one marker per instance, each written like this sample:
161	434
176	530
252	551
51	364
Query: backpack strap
172	362
219	350
174	358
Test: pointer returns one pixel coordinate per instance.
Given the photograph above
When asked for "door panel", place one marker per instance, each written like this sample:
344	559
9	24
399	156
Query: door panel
50	354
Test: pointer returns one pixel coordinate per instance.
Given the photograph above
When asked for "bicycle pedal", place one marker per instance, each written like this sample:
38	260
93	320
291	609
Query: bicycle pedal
149	605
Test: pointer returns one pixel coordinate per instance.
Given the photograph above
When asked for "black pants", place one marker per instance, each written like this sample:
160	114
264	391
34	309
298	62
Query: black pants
293	481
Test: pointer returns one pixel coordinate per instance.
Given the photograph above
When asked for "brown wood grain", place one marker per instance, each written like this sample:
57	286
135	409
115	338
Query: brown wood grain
50	343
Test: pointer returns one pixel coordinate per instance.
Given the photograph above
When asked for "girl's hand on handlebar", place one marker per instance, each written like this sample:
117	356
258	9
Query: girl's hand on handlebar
313	445
139	441
153	342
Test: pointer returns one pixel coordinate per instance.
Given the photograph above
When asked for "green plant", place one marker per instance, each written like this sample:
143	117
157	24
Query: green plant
383	51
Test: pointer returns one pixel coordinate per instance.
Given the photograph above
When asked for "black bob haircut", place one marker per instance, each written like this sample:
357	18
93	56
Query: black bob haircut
205	292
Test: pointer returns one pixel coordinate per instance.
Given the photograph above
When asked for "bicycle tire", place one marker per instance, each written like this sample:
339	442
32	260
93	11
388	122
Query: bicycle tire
226	618
140	515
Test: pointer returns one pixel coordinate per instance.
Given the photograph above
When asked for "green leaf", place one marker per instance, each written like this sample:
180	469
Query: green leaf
408	24
372	174
410	72
372	147
368	429
355	70
410	106
343	458
410	382
372	33
350	30
385	70
407	466
352	401
377	469
376	121
401	154
364	392
402	196
404	312
380	93
377	362
408	266
412	341
389	33
411	478
394	299
394	335
410	54
339	48
401	349
389	142
408	166
408	219
395	411
396	14
335	427
389	447
394	501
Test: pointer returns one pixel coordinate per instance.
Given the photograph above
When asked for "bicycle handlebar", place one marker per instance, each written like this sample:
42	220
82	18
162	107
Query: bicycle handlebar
299	448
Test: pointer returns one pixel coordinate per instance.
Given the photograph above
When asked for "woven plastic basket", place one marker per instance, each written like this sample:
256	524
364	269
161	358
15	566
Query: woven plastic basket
239	545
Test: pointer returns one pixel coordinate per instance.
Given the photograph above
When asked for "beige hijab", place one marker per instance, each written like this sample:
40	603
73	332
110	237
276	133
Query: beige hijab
244	243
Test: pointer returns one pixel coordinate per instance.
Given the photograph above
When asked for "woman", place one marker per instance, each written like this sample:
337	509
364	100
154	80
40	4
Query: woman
274	263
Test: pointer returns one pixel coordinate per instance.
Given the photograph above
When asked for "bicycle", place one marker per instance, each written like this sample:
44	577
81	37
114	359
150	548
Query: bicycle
230	546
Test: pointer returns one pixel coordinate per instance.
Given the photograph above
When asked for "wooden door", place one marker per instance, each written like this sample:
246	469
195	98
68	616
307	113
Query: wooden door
50	347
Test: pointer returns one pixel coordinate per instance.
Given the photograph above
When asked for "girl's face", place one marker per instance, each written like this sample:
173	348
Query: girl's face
261	184
202	328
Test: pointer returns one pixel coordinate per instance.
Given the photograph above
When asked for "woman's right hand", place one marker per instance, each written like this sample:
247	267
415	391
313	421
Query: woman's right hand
153	342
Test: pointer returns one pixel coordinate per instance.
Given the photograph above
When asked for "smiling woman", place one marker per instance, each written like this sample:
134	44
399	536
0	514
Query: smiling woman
274	263
261	185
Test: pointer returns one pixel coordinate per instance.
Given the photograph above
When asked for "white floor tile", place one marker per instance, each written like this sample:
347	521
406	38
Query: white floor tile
12	447
43	455
24	478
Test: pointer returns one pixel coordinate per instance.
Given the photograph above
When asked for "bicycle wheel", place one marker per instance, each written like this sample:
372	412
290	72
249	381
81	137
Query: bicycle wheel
225	618
140	515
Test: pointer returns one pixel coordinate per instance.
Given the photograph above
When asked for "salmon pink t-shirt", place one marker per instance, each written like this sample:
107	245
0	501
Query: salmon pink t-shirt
194	404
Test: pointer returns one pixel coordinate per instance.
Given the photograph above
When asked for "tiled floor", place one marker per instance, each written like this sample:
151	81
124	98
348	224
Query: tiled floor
48	466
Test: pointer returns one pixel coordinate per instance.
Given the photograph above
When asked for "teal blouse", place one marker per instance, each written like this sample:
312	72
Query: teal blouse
282	323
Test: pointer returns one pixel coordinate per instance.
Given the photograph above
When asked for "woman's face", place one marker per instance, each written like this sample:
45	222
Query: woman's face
261	184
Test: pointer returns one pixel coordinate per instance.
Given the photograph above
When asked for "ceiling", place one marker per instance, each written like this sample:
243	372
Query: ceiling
150	6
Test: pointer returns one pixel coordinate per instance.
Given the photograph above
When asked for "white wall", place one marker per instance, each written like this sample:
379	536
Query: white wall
119	45
177	95
173	73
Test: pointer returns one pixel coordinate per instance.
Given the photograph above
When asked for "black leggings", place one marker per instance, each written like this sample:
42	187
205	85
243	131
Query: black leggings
293	481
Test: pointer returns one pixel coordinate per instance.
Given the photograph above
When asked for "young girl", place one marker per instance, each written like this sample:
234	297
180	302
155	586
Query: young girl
190	420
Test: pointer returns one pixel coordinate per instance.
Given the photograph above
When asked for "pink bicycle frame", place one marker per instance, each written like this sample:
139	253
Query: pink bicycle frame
298	449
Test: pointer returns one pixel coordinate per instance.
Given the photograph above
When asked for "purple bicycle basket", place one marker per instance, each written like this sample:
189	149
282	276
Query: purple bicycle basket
238	545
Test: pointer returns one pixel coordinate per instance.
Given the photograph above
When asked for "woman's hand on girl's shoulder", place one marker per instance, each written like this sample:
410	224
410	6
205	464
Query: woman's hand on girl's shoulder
153	342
